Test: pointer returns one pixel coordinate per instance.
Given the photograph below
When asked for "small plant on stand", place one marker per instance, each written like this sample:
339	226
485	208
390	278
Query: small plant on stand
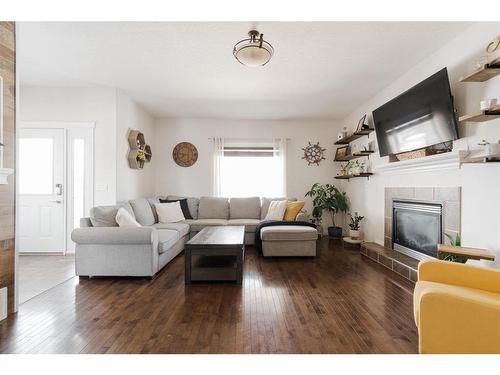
354	225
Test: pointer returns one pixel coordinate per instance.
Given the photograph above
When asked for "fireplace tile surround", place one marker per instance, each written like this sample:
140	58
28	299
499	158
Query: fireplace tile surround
402	264
449	197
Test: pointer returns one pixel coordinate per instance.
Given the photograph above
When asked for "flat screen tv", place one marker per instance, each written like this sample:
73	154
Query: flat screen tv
421	117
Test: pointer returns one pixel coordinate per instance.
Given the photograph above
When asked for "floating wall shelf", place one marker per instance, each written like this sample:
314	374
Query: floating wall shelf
485	73
353	136
347	177
356	155
482	116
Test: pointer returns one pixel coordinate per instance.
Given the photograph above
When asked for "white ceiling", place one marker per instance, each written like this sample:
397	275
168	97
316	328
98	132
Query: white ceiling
319	70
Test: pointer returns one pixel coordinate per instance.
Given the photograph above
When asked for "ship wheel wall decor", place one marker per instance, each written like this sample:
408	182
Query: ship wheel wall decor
185	154
313	153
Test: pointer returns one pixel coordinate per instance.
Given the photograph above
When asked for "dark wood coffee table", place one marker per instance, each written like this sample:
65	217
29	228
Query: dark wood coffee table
215	254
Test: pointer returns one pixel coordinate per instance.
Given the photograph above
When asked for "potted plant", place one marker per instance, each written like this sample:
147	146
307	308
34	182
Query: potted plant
354	226
328	198
141	158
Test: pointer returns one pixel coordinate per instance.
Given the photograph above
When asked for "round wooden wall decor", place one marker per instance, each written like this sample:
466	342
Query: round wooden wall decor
185	154
313	153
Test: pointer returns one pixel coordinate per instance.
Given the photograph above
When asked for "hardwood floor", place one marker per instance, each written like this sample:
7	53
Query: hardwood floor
338	302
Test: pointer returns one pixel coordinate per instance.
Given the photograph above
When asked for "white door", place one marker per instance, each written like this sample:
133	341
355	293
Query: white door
41	203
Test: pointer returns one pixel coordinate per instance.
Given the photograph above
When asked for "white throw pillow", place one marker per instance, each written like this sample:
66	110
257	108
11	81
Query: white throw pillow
276	210
169	212
124	219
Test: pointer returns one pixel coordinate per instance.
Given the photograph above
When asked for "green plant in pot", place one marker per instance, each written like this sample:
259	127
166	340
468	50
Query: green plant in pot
354	226
330	199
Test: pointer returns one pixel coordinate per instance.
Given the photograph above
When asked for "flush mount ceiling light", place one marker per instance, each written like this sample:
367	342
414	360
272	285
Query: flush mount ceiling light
254	51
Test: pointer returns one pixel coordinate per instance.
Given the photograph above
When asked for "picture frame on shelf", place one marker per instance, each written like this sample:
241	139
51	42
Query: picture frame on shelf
341	152
361	124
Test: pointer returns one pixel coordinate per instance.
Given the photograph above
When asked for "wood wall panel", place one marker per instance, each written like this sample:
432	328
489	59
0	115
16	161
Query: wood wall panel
7	192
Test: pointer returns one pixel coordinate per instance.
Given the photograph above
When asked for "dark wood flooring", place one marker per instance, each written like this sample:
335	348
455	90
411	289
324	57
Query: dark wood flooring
338	302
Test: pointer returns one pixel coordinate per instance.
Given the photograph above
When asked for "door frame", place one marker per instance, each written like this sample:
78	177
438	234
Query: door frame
70	130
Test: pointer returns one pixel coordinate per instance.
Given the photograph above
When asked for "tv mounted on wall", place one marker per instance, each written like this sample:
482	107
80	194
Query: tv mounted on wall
420	117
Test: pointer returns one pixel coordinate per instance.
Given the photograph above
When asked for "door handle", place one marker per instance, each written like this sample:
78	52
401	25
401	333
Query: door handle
56	201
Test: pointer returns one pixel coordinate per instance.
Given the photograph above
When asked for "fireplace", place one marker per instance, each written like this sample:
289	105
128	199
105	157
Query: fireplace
416	219
417	227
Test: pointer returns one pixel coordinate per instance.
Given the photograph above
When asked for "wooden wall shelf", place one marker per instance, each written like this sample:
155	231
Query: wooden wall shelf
482	116
487	72
347	177
355	156
354	136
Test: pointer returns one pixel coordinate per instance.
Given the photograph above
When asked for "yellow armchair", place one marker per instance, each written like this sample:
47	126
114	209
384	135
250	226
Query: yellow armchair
457	308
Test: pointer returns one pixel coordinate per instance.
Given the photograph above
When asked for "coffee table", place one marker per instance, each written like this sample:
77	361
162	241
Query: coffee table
215	254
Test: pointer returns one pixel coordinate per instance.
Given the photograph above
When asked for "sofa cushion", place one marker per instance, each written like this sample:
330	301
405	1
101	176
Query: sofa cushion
152	202
293	209
192	204
213	208
182	228
166	239
197	225
184	206
265	205
104	216
288	233
250	224
143	211
244	208
125	219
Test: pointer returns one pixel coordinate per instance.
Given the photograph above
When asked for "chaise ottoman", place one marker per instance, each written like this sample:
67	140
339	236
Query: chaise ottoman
288	240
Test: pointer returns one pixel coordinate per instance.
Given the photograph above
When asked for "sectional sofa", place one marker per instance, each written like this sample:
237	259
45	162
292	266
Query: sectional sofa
104	249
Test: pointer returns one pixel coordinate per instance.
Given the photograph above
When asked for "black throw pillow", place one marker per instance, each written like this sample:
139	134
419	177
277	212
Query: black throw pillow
184	206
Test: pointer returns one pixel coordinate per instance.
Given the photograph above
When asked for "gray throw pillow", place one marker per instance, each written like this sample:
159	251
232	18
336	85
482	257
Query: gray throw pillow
143	212
104	216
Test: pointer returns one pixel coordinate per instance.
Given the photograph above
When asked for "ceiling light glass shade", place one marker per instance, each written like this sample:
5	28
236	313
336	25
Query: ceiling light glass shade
254	51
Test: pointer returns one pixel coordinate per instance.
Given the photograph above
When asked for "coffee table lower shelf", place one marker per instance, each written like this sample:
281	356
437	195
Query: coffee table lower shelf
214	265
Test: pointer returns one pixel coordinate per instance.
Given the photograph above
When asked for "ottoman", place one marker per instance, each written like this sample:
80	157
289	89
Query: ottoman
288	240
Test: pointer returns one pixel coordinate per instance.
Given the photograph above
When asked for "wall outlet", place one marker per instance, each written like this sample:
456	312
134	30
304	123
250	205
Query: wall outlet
3	303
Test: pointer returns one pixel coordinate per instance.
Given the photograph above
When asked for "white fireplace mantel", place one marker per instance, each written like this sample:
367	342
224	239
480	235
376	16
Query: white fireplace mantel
4	173
449	160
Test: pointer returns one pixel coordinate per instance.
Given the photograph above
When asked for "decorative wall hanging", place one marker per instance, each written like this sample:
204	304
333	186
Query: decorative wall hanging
313	153
185	154
140	153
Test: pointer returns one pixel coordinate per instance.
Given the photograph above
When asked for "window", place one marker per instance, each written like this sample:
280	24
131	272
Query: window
252	168
36	173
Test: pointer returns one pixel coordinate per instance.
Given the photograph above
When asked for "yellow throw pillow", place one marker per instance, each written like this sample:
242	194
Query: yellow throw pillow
293	209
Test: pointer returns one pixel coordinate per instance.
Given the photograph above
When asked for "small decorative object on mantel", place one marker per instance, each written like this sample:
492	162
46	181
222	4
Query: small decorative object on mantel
313	153
487	104
185	154
140	153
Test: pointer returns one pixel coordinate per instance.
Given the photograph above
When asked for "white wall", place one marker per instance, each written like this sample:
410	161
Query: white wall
196	180
132	183
113	113
80	105
480	183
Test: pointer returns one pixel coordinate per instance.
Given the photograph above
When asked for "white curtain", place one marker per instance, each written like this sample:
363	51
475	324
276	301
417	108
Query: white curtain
217	159
279	154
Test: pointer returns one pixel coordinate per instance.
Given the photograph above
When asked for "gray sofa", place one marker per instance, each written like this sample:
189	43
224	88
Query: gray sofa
104	249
